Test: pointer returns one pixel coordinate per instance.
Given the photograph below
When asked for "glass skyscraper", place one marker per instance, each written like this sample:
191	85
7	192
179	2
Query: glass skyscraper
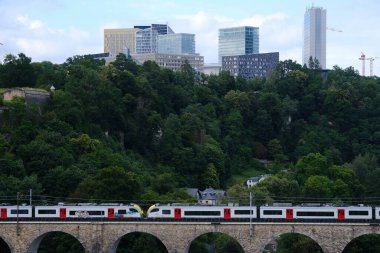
314	36
238	41
146	38
176	43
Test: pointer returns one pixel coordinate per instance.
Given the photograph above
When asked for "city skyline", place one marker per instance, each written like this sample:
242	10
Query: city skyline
56	30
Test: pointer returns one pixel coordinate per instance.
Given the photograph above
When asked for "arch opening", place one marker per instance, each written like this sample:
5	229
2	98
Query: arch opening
57	242
4	247
139	242
215	242
368	243
292	243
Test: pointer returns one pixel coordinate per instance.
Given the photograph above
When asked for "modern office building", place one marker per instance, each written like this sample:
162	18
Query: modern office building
140	39
211	69
314	36
171	61
252	65
117	40
155	42
176	43
238	41
146	37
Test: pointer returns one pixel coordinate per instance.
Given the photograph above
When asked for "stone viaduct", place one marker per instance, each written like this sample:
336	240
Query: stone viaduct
103	237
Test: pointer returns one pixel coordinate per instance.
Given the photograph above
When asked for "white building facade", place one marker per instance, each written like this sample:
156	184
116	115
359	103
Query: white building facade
314	36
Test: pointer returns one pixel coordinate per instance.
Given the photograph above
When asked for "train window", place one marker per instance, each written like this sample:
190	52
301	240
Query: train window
166	211
154	210
272	212
122	211
47	211
202	213
243	212
357	212
20	211
313	213
85	213
133	210
95	212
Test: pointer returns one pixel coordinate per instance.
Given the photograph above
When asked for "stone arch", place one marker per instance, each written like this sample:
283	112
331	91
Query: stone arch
115	244
7	242
277	235
363	233
197	235
35	242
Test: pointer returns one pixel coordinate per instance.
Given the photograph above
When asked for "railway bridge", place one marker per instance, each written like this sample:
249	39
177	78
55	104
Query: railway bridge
103	237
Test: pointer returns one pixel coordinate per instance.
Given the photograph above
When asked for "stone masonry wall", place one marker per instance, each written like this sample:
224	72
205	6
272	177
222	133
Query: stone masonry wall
103	237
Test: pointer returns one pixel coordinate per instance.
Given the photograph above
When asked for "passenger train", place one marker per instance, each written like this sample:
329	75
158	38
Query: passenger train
264	213
188	212
73	211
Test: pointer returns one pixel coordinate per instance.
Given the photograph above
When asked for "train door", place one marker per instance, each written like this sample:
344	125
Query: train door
289	213
62	213
111	213
3	212
341	214
177	213
227	213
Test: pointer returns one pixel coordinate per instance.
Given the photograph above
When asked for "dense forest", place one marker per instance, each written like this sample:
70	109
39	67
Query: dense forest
142	133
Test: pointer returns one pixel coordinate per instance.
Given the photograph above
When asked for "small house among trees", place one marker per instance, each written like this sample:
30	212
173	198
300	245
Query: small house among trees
209	196
255	180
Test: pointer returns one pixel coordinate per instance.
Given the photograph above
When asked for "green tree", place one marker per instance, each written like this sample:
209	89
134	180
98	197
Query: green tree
123	63
17	71
112	183
319	187
369	243
290	243
275	151
311	165
164	183
210	177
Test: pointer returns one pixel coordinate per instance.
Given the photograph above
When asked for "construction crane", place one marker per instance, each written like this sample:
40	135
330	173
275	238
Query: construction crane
371	60
333	29
371	65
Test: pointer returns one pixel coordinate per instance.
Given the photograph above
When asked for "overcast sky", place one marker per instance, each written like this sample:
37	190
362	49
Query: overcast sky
53	30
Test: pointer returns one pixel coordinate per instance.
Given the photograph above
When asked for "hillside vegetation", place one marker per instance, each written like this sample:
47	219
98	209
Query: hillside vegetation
141	133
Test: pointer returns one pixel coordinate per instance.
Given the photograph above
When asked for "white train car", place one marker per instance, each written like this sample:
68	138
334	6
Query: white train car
11	211
89	211
200	212
377	213
321	212
358	212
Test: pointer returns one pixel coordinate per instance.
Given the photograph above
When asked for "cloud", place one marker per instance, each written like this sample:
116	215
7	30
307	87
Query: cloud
41	42
278	32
